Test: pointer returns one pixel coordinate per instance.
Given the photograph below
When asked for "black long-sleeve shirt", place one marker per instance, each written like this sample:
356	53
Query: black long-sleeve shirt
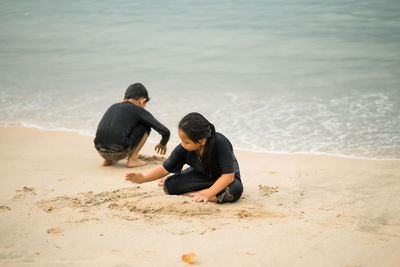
120	119
224	157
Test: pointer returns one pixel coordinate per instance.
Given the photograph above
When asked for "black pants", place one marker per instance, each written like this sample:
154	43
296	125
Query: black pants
137	135
118	152
190	180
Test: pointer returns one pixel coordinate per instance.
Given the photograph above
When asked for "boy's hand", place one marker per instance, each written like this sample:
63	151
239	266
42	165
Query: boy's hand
135	177
160	149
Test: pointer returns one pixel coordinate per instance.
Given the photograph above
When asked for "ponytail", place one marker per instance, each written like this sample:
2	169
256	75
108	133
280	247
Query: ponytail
197	127
208	153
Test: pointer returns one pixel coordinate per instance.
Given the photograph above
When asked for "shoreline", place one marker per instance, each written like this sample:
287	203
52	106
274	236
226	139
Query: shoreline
85	133
58	205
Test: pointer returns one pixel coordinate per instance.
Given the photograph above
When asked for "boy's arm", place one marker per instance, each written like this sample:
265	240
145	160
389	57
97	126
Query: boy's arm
149	119
154	174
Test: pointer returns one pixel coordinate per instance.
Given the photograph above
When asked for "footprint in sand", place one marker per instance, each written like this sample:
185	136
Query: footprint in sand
25	191
64	178
5	208
267	191
55	231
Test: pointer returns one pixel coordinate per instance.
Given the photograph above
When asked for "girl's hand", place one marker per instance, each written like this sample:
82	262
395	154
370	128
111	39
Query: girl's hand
201	196
135	177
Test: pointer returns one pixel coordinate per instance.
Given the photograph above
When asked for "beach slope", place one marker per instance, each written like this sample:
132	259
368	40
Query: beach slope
60	207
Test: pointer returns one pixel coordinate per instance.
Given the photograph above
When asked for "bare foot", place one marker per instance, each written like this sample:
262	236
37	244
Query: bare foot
108	162
136	163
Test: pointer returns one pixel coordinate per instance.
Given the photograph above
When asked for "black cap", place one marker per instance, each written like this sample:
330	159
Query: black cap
136	91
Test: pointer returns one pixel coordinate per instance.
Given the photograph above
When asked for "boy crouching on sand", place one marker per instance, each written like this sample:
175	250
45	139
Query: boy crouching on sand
124	129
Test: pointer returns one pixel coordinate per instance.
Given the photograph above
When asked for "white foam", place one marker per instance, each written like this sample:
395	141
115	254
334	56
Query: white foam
280	124
44	128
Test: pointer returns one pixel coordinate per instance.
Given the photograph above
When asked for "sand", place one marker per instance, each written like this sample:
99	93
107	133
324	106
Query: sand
60	207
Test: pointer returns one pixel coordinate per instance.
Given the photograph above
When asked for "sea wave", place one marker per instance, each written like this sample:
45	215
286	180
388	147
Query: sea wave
364	127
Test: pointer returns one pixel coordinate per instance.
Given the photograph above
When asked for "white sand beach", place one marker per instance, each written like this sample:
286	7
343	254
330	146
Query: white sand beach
60	207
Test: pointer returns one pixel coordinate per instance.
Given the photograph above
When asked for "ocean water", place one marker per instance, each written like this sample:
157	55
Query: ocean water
282	76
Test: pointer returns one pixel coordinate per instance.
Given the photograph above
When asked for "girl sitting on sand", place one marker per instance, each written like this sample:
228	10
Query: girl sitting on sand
213	174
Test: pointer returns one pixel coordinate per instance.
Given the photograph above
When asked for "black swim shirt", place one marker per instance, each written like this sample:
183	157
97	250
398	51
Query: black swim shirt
120	119
223	152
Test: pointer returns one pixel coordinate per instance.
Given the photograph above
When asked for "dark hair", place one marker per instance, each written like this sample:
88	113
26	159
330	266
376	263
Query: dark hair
136	91
196	127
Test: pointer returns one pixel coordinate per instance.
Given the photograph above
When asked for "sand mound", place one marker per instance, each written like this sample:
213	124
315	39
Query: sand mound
152	160
134	201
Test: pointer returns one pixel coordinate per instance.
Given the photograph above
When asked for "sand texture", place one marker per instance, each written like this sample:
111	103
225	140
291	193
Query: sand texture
60	207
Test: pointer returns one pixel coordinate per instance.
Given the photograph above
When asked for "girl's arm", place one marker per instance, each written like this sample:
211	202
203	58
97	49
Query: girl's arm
210	193
154	174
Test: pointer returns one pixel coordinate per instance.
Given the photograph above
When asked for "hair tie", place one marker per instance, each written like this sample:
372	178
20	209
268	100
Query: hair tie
212	129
